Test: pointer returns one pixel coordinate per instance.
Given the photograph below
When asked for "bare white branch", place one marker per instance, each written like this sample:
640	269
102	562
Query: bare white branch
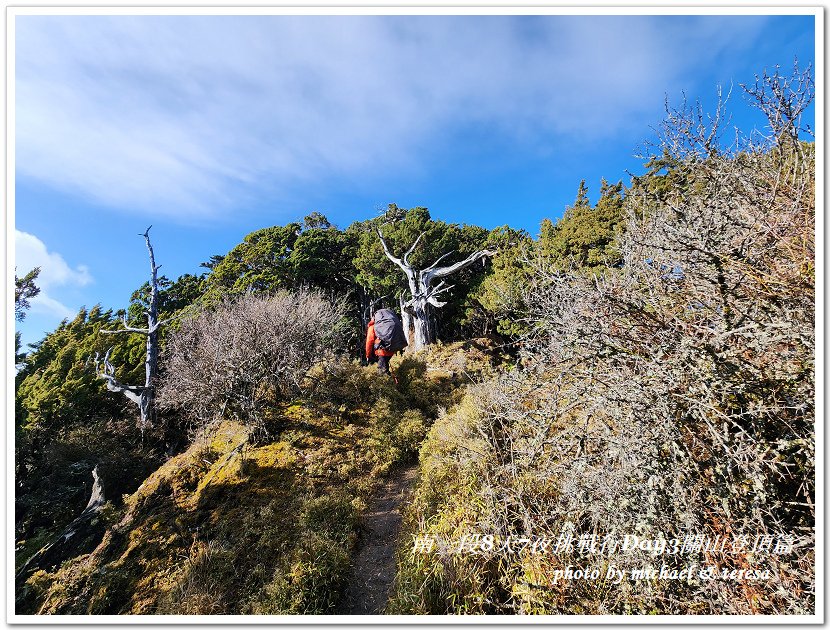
412	249
442	272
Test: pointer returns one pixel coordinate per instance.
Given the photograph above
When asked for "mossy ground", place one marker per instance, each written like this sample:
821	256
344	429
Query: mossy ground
444	507
237	525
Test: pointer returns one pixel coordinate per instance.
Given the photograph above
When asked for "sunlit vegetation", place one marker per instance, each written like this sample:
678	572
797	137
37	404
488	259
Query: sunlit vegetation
645	364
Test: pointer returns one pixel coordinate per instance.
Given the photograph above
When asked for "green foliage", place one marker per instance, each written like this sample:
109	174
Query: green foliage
57	386
665	176
447	505
316	220
585	237
410	431
266	528
56	486
312	255
212	262
498	297
66	422
321	258
401	228
173	297
258	264
24	290
309	579
401	408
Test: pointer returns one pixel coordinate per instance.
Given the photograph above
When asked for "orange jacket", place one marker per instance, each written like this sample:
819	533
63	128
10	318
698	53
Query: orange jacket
370	343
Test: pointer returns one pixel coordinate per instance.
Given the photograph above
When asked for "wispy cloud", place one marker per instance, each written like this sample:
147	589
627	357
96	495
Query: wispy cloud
31	252
183	116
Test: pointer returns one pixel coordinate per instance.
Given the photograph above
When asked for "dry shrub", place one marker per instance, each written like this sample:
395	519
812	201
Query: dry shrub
248	355
671	397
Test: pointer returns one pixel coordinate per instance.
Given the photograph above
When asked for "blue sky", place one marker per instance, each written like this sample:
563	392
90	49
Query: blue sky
210	127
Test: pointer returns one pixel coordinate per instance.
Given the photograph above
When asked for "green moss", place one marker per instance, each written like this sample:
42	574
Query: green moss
447	504
225	529
234	527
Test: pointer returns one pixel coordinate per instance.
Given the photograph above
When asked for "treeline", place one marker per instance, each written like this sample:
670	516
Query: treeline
57	391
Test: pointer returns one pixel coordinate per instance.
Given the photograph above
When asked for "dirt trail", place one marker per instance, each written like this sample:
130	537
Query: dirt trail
373	567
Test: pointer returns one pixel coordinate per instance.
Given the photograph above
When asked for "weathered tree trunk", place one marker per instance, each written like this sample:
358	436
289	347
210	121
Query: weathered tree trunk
406	320
418	309
152	357
142	396
424	294
80	536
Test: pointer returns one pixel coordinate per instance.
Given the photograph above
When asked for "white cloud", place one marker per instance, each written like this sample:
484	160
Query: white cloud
181	115
31	252
46	305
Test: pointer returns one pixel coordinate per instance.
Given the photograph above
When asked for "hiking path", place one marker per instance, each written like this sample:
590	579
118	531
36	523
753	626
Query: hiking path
373	567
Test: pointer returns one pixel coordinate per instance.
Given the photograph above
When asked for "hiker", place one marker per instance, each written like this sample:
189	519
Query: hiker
384	337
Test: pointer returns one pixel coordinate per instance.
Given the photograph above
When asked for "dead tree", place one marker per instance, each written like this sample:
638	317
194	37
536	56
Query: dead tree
416	310
141	395
80	536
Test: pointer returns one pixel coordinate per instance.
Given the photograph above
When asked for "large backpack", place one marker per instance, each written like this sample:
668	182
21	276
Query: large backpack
389	332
